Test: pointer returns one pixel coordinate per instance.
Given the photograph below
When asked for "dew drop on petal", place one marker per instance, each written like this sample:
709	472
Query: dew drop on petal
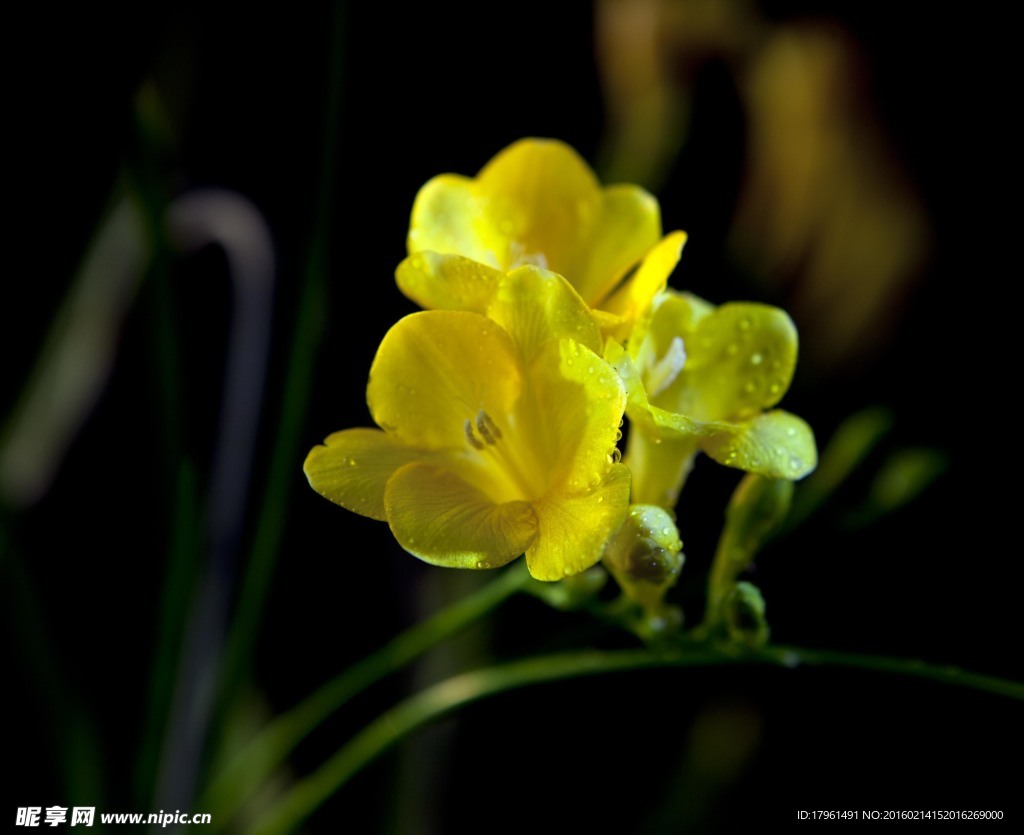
745	324
795	463
757	359
750	387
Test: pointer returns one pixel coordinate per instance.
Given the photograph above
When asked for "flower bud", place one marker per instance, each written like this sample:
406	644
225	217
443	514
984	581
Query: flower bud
645	556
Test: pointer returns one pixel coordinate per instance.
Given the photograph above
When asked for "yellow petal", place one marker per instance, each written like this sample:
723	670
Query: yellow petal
545	201
447	282
441	519
739	361
437	369
535	306
630	224
776	445
449	216
354	467
634	297
577	402
573	529
638	406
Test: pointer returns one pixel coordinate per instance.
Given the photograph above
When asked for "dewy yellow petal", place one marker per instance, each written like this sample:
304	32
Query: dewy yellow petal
441	519
353	468
447	282
776	445
437	369
739	361
580	401
544	200
535	306
449	216
575	528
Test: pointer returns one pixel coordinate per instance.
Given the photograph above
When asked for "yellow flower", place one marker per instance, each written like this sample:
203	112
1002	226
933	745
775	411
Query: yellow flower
537	202
497	435
701	378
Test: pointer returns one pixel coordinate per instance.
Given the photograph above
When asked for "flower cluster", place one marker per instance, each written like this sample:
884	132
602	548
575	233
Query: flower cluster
547	320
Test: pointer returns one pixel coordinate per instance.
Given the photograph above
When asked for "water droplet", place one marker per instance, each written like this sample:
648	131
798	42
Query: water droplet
774	388
481	564
791	432
745	324
618	434
795	463
666	531
733	349
615	456
590	369
351	462
600	499
750	387
567	571
757	359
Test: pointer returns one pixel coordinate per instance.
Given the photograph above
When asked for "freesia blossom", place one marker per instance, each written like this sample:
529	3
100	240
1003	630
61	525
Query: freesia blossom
700	378
537	202
497	434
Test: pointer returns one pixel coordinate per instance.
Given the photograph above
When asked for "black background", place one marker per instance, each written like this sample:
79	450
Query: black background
430	89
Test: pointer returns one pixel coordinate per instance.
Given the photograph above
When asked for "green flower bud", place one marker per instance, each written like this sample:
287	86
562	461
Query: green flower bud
645	556
744	615
756	511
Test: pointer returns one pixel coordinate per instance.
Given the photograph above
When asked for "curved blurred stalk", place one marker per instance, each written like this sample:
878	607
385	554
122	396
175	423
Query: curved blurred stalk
195	220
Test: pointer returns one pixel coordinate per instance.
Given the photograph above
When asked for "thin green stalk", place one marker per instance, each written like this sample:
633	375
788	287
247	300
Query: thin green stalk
306	340
257	760
182	568
790	656
424	707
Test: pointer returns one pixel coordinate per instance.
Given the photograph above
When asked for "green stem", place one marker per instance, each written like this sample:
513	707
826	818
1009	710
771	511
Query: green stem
790	656
424	707
257	760
287	450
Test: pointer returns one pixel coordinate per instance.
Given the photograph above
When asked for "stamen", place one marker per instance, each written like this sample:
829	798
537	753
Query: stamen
488	429
473	440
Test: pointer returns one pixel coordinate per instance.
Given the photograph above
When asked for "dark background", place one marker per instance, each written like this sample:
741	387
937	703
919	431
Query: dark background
426	90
